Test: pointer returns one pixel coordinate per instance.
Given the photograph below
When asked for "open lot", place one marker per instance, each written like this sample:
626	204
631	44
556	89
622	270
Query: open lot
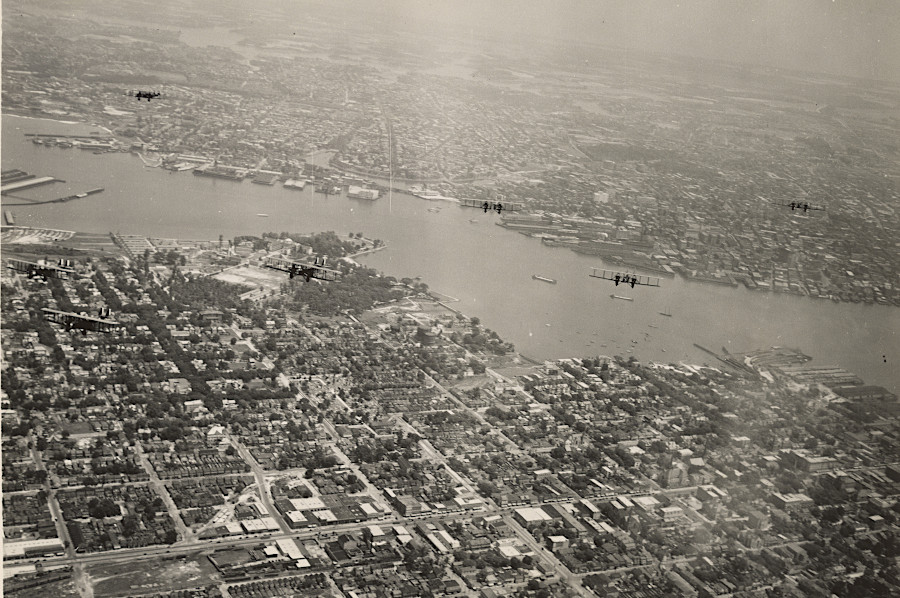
146	577
253	276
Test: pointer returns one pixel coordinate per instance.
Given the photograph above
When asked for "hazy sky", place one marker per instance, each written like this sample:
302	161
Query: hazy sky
847	37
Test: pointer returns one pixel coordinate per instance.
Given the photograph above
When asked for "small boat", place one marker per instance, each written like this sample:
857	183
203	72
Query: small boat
473	221
263	215
652	325
542	279
666	313
620	297
434	209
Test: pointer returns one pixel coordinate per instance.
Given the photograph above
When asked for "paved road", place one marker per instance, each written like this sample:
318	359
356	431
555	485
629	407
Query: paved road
561	570
82	583
260	475
154	552
183	531
373	492
434	455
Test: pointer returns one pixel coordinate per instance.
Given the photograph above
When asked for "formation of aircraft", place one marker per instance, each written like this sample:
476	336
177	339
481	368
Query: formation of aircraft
143	94
799	205
63	269
499	207
625	278
101	323
315	270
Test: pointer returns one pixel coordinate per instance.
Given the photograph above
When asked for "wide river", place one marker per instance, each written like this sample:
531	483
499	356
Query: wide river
486	267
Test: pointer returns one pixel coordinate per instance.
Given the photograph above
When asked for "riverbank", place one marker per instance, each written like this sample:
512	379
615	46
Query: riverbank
625	258
366	251
485	266
448	297
62	122
349	170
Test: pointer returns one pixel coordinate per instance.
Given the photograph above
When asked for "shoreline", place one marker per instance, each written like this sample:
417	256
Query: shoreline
65	122
365	251
662	273
450	298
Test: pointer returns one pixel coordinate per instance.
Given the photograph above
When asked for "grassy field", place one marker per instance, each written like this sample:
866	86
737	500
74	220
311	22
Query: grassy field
254	277
146	577
62	589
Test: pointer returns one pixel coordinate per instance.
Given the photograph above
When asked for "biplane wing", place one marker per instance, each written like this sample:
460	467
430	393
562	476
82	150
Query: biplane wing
625	277
143	94
82	321
799	206
496	206
277	264
317	272
308	271
63	270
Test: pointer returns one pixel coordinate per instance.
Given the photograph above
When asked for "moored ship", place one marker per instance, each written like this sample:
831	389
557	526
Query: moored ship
219	173
295	184
355	192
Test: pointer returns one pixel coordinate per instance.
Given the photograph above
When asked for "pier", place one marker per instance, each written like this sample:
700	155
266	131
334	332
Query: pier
57	200
27	183
731	362
14	175
53	135
150	164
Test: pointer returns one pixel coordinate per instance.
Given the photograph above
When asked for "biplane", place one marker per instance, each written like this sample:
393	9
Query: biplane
143	94
315	270
496	206
82	321
799	205
62	270
626	278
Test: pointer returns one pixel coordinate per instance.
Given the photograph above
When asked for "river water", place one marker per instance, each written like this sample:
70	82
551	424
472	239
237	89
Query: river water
486	267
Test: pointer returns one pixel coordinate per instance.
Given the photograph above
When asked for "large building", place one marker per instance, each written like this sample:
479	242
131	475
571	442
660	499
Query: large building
865	392
530	515
791	501
29	548
806	462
